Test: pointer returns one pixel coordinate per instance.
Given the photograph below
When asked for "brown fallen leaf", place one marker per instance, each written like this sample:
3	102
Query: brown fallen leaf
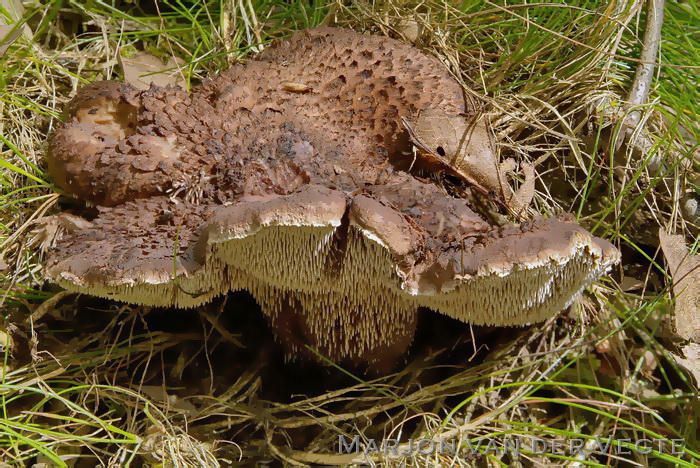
464	142
411	30
9	30
160	394
630	283
684	269
435	157
691	361
7	37
145	68
49	229
5	341
518	200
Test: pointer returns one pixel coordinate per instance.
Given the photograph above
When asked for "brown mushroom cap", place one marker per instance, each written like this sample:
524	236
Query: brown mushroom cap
293	177
353	269
118	143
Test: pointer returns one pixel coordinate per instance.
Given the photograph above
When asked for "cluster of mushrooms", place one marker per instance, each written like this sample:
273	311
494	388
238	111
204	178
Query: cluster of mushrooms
323	178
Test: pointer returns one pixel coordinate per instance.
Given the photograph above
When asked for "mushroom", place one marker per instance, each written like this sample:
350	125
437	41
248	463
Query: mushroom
312	197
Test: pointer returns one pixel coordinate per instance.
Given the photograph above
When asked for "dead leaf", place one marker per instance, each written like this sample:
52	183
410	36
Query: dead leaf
159	394
518	200
684	269
155	392
465	143
650	364
630	283
603	347
691	361
5	341
49	229
145	68
14	8
7	37
9	31
410	30
434	158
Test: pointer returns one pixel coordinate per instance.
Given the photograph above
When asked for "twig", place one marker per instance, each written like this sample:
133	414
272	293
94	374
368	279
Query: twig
46	306
641	86
639	94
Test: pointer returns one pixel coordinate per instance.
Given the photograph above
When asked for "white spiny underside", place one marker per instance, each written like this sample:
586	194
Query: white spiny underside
354	302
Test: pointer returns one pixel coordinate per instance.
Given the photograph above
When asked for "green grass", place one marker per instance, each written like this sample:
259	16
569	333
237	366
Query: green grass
552	77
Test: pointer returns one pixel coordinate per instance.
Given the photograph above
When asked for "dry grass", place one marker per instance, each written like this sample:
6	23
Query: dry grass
86	380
